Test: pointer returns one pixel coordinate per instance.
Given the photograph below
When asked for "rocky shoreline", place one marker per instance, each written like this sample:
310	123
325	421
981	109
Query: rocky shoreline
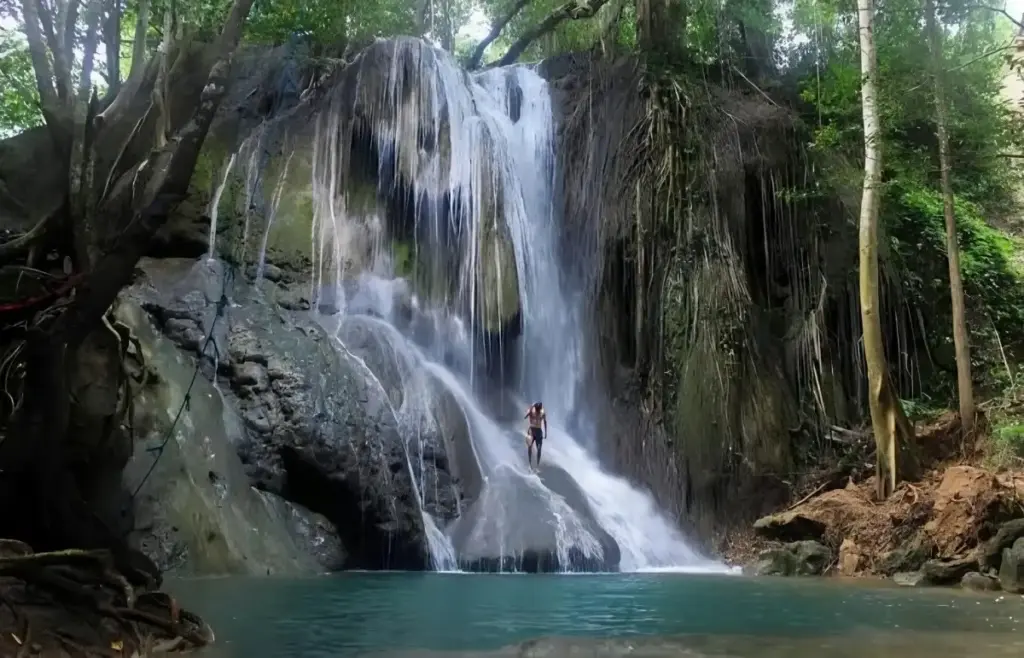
959	525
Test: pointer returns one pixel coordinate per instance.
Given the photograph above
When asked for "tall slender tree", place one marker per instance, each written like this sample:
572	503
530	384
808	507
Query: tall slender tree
965	390
886	412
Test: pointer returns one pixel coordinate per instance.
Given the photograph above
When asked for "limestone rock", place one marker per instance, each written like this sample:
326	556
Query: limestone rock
801	558
851	559
1011	570
992	552
195	512
947	571
317	430
909	557
909	579
537	538
979	582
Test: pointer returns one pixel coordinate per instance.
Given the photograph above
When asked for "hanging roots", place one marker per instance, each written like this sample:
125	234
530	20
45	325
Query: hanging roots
75	603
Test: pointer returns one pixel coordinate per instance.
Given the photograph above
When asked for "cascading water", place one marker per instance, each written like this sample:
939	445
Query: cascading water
476	157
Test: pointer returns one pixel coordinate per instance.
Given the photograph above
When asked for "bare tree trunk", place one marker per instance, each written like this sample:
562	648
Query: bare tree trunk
572	10
499	25
965	389
112	44
660	25
448	36
139	44
881	400
34	459
422	11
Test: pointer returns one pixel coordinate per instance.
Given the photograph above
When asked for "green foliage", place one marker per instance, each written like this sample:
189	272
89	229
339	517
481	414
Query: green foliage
827	69
19	99
917	231
1006	443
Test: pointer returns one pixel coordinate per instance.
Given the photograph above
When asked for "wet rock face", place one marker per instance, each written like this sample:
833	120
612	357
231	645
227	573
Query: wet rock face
514	526
318	432
188	504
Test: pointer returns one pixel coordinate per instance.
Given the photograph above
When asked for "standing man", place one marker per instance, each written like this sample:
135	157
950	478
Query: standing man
536	419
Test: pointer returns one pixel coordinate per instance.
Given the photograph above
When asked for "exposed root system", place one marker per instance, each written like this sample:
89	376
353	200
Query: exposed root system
75	603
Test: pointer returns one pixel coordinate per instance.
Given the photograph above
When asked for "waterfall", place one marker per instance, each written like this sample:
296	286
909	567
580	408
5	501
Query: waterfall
212	211
412	149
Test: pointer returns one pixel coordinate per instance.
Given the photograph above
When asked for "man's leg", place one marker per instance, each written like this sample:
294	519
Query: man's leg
540	444
529	450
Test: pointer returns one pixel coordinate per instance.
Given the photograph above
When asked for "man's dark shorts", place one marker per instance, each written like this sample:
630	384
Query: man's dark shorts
537	435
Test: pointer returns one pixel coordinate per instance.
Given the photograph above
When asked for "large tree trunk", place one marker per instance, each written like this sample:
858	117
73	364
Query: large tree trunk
884	405
965	389
660	26
128	201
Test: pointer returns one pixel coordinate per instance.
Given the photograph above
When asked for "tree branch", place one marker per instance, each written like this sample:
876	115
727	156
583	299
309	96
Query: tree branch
45	14
92	19
136	72
572	10
37	51
173	167
499	25
139	45
112	44
68	50
160	88
1018	22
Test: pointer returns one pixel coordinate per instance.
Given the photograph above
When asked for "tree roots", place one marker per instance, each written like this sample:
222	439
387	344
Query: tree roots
75	603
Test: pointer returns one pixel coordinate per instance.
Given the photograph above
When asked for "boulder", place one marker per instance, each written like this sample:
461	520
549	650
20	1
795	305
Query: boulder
318	430
1011	568
516	525
433	430
851	558
193	511
801	558
909	579
945	571
909	557
991	553
979	582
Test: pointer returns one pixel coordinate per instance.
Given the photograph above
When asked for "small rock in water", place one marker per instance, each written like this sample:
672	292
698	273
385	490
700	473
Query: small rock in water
850	558
800	558
979	582
948	572
909	579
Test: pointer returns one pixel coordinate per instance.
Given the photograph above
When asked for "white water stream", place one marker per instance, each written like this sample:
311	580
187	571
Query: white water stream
500	155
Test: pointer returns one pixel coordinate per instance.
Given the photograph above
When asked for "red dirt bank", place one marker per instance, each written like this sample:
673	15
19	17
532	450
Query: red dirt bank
943	525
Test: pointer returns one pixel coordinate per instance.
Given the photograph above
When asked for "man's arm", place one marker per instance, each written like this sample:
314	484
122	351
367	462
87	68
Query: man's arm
545	418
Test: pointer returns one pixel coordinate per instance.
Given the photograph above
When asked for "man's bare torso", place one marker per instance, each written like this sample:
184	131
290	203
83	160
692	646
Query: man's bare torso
535	418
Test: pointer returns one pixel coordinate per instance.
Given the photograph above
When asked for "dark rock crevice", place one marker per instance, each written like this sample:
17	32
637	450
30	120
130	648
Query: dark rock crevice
369	537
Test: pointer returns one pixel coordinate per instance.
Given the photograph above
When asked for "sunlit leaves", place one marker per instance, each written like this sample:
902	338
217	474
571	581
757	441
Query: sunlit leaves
19	100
